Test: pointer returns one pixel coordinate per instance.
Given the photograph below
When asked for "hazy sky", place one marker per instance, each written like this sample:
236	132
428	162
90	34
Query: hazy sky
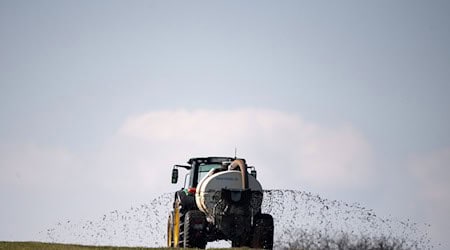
346	99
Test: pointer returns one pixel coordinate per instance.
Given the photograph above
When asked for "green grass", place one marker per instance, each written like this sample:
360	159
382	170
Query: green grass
55	246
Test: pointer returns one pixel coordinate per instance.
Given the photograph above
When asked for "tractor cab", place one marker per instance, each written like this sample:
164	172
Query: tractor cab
200	167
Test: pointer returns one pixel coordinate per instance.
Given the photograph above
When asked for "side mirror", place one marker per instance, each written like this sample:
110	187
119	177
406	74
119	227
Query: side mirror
174	176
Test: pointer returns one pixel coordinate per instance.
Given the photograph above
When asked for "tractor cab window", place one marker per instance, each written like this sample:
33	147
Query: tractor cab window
205	168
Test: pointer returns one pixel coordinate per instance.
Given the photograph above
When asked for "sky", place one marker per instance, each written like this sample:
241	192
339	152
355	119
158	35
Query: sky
346	99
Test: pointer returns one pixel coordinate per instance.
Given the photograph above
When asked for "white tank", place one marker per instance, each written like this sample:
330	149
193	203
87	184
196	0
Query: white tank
208	190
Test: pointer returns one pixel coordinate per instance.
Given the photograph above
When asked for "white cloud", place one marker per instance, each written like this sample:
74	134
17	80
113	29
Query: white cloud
289	151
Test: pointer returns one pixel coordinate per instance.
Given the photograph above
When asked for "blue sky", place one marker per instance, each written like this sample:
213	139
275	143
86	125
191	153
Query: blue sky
352	87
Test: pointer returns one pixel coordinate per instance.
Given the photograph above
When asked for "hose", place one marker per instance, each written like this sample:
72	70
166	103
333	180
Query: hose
241	165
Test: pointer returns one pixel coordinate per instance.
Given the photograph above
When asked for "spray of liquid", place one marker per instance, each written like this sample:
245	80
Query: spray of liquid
302	221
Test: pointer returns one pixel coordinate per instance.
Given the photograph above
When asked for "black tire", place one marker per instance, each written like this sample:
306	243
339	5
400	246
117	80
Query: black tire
241	242
181	214
181	230
263	232
194	229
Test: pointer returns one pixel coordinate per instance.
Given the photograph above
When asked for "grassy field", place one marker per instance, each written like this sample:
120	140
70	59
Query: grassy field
360	245
54	246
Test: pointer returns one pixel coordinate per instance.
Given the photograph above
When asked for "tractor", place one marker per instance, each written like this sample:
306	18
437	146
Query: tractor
220	200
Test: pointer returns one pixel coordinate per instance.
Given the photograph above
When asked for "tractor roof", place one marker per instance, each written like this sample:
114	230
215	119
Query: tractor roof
210	160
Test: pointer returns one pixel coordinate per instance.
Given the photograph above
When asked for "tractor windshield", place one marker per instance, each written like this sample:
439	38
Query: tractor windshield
205	168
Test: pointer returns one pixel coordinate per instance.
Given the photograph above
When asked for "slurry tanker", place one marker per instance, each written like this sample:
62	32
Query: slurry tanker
221	200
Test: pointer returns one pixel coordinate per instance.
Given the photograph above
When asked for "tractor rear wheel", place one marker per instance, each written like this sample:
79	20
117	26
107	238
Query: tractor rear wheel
194	229
263	232
235	243
170	230
239	243
178	225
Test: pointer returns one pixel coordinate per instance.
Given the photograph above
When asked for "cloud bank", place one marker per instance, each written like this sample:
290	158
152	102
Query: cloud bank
288	151
286	148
